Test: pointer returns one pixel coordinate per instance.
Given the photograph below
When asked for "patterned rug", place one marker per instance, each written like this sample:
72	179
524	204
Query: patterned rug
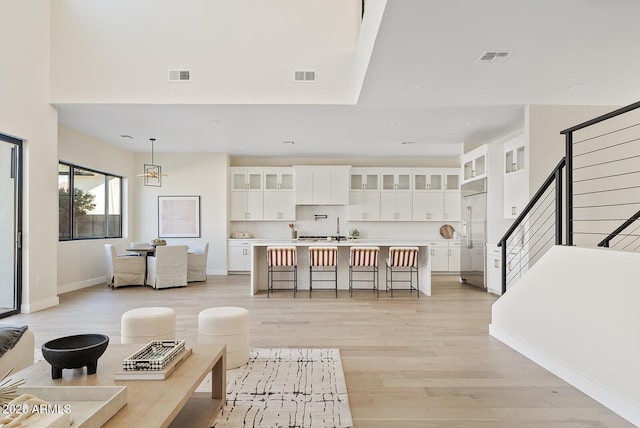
292	388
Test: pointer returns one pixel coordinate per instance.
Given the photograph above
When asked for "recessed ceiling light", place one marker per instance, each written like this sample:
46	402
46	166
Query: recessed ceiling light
469	123
126	136
576	86
391	122
414	86
288	142
300	122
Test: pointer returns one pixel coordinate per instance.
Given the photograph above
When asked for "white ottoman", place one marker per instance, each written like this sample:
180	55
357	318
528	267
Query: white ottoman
142	325
229	326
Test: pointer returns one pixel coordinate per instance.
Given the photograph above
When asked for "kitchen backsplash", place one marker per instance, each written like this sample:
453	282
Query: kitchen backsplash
307	225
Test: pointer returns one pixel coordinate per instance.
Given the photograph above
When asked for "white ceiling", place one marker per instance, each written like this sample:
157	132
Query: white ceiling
422	86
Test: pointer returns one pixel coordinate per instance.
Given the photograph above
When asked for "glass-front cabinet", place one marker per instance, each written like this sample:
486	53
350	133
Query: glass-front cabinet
396	181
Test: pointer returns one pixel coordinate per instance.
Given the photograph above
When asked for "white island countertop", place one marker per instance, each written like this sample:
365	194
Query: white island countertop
259	260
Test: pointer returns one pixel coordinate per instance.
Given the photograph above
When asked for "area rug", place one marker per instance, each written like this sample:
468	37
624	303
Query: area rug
293	388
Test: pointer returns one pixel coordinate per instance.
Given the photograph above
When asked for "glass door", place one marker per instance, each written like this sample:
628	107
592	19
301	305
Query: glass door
10	225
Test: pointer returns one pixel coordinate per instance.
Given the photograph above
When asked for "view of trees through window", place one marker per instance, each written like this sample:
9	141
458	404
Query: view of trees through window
93	209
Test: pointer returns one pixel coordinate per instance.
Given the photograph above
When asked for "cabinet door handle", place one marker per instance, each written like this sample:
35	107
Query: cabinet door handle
514	167
473	172
433	252
509	267
429	186
496	263
513	210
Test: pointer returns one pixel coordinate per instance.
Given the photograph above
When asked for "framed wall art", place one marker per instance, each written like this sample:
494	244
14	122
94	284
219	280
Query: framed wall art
178	216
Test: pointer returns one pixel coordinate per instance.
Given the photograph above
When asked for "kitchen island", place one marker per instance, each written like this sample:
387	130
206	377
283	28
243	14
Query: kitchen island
259	262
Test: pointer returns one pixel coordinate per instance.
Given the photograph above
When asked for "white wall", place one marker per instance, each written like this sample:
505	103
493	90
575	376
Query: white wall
543	124
575	312
25	113
193	174
90	62
83	263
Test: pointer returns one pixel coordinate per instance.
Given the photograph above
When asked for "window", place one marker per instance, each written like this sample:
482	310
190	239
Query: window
94	208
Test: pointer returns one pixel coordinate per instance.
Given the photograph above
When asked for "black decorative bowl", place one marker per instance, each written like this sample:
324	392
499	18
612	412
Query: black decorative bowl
74	352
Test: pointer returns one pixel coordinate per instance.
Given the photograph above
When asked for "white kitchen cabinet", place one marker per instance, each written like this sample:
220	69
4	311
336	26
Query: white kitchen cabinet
439	253
279	194
494	272
364	180
396	206
454	256
445	256
428	181
364	195
474	164
238	256
436	195
428	206
452	204
246	194
321	185
516	179
364	206
279	206
394	181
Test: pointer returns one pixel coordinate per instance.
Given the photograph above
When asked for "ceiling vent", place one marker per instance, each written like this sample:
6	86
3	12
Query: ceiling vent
179	75
494	57
308	76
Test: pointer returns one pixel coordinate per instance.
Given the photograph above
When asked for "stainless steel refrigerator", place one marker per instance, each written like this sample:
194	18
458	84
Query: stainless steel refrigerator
474	233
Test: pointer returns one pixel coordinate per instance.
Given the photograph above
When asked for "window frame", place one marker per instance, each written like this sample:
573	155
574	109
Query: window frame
107	177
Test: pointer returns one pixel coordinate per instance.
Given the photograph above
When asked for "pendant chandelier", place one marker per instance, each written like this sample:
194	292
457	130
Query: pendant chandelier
152	173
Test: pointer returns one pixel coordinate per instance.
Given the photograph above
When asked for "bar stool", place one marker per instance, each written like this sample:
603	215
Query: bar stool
323	259
402	260
364	260
282	260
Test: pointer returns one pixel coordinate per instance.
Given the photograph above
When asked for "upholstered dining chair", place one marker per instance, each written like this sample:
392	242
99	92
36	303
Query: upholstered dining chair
168	268
123	270
197	262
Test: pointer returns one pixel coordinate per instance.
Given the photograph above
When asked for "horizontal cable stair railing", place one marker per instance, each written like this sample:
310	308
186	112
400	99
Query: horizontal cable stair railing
535	230
606	242
603	178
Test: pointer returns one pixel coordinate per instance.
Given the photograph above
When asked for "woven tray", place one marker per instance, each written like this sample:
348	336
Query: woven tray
154	356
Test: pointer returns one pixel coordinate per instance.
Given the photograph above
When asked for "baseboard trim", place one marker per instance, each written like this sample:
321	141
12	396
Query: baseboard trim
82	284
604	396
28	308
222	272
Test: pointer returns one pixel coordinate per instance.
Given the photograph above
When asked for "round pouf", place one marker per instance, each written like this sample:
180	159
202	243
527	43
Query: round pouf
229	326
142	325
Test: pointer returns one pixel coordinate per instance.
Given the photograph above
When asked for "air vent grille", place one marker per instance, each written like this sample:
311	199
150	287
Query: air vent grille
179	75
308	76
493	57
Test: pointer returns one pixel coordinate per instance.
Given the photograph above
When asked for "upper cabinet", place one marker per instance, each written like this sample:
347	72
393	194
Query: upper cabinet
364	195
516	179
246	194
436	195
279	195
396	181
474	164
321	185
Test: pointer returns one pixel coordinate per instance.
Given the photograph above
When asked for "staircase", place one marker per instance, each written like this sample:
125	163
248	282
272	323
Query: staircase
571	263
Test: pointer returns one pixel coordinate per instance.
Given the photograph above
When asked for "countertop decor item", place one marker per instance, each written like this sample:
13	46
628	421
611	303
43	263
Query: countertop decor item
446	231
74	352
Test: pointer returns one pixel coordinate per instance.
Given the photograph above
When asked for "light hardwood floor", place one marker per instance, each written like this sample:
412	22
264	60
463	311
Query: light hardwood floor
408	362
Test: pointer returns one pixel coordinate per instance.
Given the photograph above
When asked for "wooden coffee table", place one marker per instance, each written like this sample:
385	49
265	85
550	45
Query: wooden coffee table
151	403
